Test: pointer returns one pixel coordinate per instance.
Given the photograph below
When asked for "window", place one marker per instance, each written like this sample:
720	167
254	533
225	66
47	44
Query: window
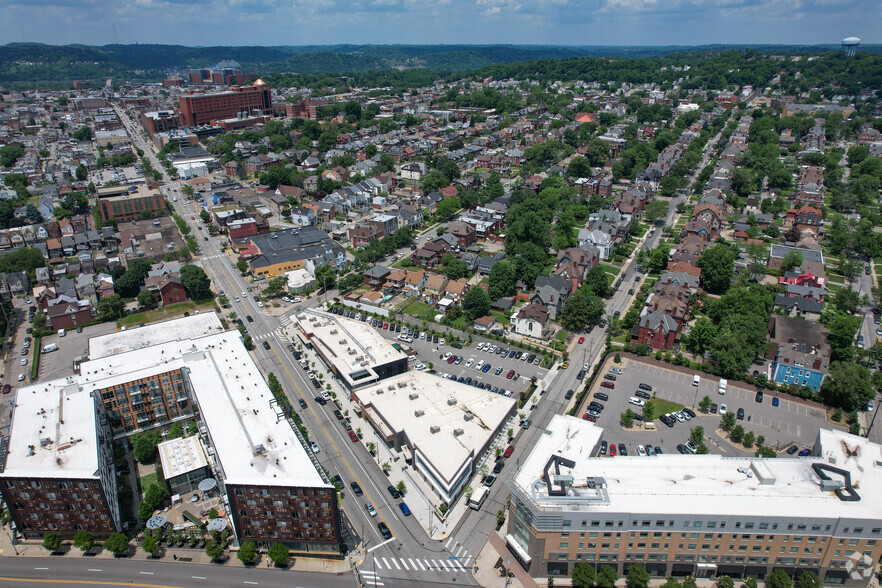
564	545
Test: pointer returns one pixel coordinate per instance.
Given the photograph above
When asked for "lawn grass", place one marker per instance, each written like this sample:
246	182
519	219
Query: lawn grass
147	480
417	309
561	336
500	317
663	406
610	269
166	312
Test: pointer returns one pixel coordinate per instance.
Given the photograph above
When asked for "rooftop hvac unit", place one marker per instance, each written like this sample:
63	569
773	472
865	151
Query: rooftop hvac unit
451	401
434	429
402	384
341	342
391	388
413	396
419	413
333	331
457	432
259	449
468	416
351	351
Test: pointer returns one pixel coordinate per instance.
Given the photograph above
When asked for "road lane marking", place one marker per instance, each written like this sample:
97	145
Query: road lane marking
41	568
381	544
395	561
404	563
198	577
146	573
93	570
420	563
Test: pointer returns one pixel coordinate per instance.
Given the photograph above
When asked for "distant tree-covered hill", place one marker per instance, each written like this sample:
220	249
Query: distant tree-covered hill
34	64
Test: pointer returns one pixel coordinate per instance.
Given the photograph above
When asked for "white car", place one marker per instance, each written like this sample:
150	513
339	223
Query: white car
24	361
441	341
469	363
260	305
314	447
370	508
21	377
616	370
326	395
641	450
636	401
723	409
446	356
285	299
296	299
585	367
310	375
482	346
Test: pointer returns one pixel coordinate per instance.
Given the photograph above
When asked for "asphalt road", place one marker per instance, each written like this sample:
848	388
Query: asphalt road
59	571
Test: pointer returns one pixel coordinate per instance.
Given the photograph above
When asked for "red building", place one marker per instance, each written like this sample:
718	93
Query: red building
171	290
197	109
656	329
67	314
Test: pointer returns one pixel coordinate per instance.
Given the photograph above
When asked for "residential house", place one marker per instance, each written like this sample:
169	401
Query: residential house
66	312
795	306
465	234
414	283
655	329
171	290
433	290
531	321
375	277
456	290
484	323
302	216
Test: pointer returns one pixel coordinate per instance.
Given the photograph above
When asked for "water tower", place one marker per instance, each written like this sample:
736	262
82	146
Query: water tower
849	45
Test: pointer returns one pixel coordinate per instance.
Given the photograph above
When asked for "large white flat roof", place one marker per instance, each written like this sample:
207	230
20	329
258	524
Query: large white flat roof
188	327
180	456
444	404
704	484
56	422
252	444
351	345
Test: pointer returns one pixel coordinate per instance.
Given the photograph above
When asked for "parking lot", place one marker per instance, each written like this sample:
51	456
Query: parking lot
433	352
59	363
790	422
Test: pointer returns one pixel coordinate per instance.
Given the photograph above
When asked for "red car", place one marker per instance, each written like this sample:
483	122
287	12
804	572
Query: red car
353	436
607	384
7	388
385	326
510	374
588	417
581	340
508	451
192	218
451	359
612	449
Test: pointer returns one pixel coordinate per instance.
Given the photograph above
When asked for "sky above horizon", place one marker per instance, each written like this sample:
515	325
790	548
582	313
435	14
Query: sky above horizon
379	22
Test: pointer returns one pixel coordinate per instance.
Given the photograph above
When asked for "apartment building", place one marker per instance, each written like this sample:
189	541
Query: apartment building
697	515
128	203
56	465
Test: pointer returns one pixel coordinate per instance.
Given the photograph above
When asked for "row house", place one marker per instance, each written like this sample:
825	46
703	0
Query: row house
361	235
430	255
632	201
804	217
465	233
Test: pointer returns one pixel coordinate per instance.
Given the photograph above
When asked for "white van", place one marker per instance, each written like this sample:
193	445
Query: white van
478	497
50	348
696	380
722	386
62	332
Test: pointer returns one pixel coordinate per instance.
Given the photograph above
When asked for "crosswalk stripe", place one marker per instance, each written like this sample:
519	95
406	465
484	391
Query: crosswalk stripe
448	542
458	565
367	573
412	563
420	563
386	563
443	564
404	563
396	563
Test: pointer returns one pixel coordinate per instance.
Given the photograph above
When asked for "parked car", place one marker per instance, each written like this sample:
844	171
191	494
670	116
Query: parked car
508	451
601	396
404	509
393	491
608	385
740	414
568	395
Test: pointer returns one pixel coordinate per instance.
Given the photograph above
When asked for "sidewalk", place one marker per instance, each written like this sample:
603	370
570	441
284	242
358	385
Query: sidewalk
169	555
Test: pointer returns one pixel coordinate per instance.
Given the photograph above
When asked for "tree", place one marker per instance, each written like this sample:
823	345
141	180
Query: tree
606	576
627	418
717	265
145	511
205	216
807	579
276	287
187	190
214	550
447	207
793	259
847	386
750	583
727	421
83	133
579	167
658	259
737	433
278	554
637	576
725	582
82	173
401	487
33	214
150	544
597	282
649	411
705	404
242	266
580	310
749	438
52	542
155	495
583	575
696	435
144	446
84	541
699	338
247	552
145	298
671	582
175	431
195	282
476	303
503	279
454	268
111	307
117	544
655	210
779	579
324	275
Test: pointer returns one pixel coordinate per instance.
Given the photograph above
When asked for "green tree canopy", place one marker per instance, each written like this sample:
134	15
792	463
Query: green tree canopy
717	265
247	551
278	554
583	575
118	543
325	276
503	279
84	541
195	282
847	386
637	576
476	303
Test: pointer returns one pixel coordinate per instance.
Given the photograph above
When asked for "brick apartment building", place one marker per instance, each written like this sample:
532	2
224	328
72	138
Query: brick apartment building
198	109
128	203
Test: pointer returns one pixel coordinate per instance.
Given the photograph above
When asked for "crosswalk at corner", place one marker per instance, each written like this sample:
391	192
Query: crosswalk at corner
370	578
421	564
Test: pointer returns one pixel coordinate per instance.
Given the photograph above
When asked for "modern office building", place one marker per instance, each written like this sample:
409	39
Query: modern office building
445	427
355	353
127	203
697	515
56	465
272	486
198	109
